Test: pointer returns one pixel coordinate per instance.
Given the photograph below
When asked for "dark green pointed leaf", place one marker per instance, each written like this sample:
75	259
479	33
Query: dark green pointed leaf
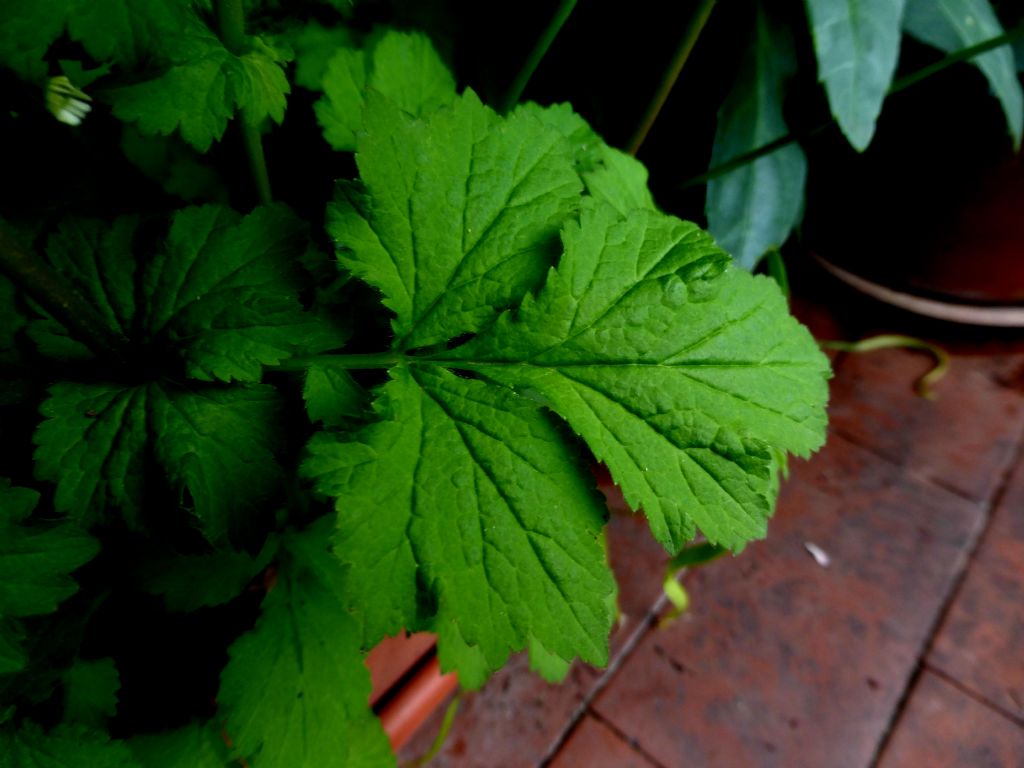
755	207
857	43
950	25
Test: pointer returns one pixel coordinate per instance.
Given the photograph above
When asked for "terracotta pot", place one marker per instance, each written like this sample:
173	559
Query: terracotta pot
929	217
407	684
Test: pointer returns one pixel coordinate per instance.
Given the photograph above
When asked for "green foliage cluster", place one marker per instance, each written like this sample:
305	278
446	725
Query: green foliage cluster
293	454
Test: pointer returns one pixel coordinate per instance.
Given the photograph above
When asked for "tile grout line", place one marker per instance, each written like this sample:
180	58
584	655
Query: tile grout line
989	508
914	475
626	739
606	677
1000	710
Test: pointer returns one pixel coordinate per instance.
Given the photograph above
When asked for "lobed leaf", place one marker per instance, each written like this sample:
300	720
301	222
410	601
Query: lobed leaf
678	371
950	25
472	492
216	446
90	692
461	216
192	746
403	67
221	289
332	396
608	174
36	559
295	689
62	747
199	92
189	582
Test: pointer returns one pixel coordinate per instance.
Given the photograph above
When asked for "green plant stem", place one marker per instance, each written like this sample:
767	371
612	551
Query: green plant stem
907	81
924	385
964	54
59	298
349	362
682	54
540	49
442	735
231	26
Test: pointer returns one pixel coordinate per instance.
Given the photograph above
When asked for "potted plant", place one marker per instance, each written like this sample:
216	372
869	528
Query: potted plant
246	440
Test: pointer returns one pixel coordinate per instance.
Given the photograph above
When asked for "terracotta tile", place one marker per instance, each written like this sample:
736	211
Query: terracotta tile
981	642
782	662
594	745
964	439
517	718
943	727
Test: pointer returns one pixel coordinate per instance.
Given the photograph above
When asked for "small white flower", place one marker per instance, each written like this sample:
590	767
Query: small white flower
67	103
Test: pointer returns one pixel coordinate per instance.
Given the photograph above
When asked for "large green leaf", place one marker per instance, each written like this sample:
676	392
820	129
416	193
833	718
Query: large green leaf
462	214
216	446
36	559
90	692
314	46
63	747
204	87
332	395
11	321
607	174
756	206
680	372
295	691
125	31
12	655
950	25
221	290
401	66
193	746
857	43
687	376
188	582
470	490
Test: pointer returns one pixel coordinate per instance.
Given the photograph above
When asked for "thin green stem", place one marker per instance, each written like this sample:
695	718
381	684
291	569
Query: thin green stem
903	83
964	54
231	26
682	54
925	385
540	49
348	362
60	299
253	143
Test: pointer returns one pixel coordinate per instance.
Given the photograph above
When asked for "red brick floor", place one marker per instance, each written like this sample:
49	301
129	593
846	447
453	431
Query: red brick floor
907	649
